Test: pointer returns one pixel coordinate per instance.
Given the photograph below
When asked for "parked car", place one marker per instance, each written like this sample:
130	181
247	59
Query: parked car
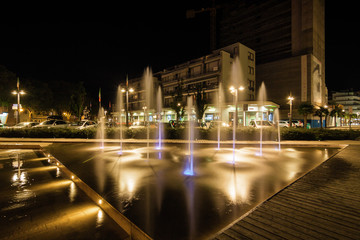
297	123
137	125
83	124
55	117
25	125
283	123
260	124
52	124
215	124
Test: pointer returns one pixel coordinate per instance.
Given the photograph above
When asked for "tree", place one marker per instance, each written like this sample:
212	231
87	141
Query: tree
320	113
326	113
38	98
349	117
77	99
305	109
333	113
7	84
177	104
62	92
201	102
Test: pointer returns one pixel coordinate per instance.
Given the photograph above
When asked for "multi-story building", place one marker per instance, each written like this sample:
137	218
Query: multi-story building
289	39
350	99
233	65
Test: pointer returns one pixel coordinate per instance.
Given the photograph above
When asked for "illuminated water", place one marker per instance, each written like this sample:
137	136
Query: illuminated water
165	203
261	98
38	202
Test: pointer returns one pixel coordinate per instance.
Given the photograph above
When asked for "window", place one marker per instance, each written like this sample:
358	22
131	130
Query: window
251	84
251	70
212	66
251	56
195	71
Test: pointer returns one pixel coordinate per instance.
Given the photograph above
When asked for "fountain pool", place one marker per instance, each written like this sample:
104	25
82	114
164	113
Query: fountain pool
153	192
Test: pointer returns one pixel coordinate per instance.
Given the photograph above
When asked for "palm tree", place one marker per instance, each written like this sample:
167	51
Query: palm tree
349	117
326	112
333	113
337	112
320	113
305	109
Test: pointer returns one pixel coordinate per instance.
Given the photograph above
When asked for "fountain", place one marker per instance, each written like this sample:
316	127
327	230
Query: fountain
205	200
261	100
237	78
276	120
146	190
100	134
220	103
120	107
149	91
159	117
189	168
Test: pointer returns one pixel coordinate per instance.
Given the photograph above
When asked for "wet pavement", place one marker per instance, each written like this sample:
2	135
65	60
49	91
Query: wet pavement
324	204
148	185
37	202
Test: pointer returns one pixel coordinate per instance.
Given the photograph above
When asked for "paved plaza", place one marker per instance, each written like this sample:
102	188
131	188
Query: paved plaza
324	204
39	203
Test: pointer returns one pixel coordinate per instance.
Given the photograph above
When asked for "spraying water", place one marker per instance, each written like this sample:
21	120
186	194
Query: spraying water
237	77
189	168
277	119
220	103
159	117
120	107
149	91
100	134
261	99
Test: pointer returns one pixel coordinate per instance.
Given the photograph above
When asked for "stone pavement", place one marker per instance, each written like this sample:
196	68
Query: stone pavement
323	204
37	202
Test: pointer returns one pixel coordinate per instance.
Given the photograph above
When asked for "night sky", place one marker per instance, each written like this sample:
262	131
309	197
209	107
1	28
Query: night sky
101	46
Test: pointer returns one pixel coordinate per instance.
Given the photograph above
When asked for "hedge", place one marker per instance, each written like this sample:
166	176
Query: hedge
245	133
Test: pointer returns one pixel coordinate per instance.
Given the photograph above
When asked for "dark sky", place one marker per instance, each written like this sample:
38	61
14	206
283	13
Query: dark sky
101	46
342	46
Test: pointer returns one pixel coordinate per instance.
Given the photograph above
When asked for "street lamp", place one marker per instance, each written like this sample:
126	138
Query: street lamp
127	90
290	98
234	91
18	92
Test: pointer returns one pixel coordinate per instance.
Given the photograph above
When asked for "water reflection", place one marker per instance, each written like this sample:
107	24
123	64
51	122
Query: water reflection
72	192
99	218
151	190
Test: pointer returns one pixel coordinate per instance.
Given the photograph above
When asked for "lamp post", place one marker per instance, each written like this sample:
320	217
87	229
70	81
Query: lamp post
290	98
127	90
18	92
234	91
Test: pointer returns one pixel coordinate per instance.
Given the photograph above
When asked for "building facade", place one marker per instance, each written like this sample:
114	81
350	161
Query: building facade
350	99
289	39
231	66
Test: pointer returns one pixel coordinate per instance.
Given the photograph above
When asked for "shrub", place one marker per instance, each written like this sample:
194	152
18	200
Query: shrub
242	134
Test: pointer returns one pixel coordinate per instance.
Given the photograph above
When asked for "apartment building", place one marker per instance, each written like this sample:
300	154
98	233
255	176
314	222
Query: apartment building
206	73
289	39
350	99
